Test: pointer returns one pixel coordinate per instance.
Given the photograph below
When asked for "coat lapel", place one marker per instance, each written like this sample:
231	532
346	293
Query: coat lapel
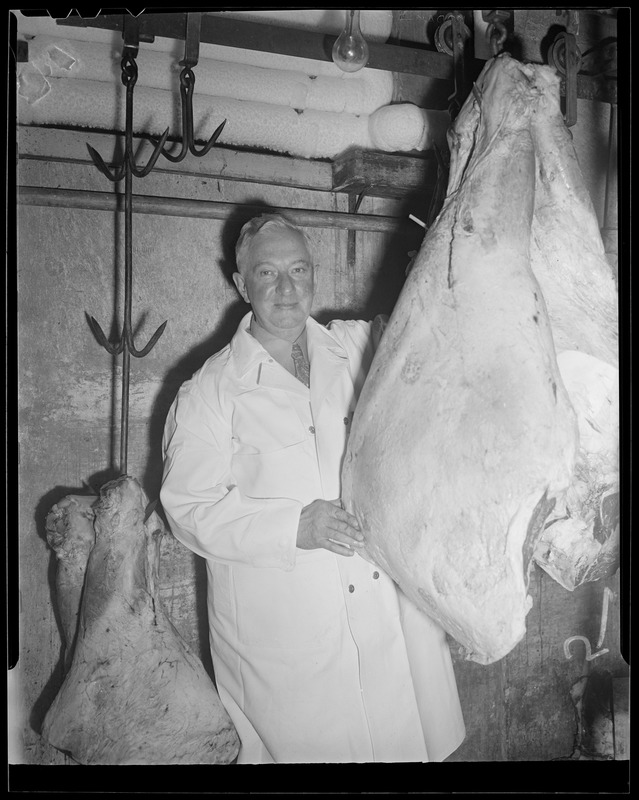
328	363
255	367
272	375
328	358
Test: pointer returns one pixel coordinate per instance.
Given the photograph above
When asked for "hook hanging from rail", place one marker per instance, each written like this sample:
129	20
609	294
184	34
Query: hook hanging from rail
131	35
451	37
187	87
496	32
127	170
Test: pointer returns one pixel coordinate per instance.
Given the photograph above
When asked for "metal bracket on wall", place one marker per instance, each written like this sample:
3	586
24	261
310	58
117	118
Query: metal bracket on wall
354	203
565	57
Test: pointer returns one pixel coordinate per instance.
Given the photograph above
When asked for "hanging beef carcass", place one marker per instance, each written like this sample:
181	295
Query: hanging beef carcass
581	540
465	439
134	693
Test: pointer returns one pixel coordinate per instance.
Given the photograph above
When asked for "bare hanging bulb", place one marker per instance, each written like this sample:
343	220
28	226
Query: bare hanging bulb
350	51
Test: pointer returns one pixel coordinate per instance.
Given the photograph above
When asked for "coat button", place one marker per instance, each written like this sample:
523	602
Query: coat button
375	575
345	420
312	429
351	588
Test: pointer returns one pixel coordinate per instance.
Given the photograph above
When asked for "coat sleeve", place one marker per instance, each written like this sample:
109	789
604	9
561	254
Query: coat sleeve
360	339
205	509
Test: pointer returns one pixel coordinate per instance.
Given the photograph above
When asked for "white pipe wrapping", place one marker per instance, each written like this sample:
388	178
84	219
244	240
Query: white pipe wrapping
32	26
310	109
101	106
405	127
306	134
359	93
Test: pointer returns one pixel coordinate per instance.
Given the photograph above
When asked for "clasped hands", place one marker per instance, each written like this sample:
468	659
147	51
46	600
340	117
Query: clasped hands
324	523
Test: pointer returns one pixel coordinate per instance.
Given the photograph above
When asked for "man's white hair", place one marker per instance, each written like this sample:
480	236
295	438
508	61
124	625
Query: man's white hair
254	226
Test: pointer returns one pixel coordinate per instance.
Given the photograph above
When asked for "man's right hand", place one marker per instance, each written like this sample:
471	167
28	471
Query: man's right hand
324	523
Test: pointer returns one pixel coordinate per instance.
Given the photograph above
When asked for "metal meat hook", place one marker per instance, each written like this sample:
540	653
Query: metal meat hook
129	68
451	38
496	32
608	595
187	84
127	169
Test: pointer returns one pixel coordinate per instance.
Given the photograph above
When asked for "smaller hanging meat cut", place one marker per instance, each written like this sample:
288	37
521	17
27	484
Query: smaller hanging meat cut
70	534
135	693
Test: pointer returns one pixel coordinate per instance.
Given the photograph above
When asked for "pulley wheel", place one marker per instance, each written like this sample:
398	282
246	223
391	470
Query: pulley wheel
444	37
557	54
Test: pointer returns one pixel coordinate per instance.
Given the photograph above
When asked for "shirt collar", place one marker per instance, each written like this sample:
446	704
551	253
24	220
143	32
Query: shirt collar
279	348
248	352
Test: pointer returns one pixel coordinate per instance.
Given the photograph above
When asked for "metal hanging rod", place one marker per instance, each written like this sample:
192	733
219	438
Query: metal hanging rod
248	35
205	209
128	169
271	39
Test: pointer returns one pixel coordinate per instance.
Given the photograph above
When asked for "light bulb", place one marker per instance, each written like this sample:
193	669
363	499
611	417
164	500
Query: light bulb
350	51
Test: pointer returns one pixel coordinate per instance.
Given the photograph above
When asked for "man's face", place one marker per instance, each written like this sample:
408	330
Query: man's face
278	280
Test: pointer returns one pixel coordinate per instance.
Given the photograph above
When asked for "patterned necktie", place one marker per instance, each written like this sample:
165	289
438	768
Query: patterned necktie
302	367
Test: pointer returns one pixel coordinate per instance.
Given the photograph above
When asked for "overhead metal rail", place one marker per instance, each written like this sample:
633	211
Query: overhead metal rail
248	35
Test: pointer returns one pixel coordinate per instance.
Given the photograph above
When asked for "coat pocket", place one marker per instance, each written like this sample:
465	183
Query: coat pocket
301	609
288	472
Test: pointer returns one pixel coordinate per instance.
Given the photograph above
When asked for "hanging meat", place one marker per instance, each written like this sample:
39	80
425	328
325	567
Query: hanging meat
71	535
581	539
134	692
465	442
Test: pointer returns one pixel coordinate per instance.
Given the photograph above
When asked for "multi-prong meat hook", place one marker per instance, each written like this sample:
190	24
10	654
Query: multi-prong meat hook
129	70
187	85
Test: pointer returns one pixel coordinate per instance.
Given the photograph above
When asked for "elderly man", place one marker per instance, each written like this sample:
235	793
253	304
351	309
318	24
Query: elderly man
318	656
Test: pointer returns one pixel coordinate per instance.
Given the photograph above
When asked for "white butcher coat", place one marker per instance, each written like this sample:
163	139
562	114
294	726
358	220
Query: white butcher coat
318	657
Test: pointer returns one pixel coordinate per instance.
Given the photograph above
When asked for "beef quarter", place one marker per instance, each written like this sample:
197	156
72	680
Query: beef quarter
465	439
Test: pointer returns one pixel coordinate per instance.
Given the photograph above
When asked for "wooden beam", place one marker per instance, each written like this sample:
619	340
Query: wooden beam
203	209
384	174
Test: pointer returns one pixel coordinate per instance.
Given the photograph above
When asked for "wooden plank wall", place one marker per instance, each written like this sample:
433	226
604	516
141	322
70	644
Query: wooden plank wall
69	388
